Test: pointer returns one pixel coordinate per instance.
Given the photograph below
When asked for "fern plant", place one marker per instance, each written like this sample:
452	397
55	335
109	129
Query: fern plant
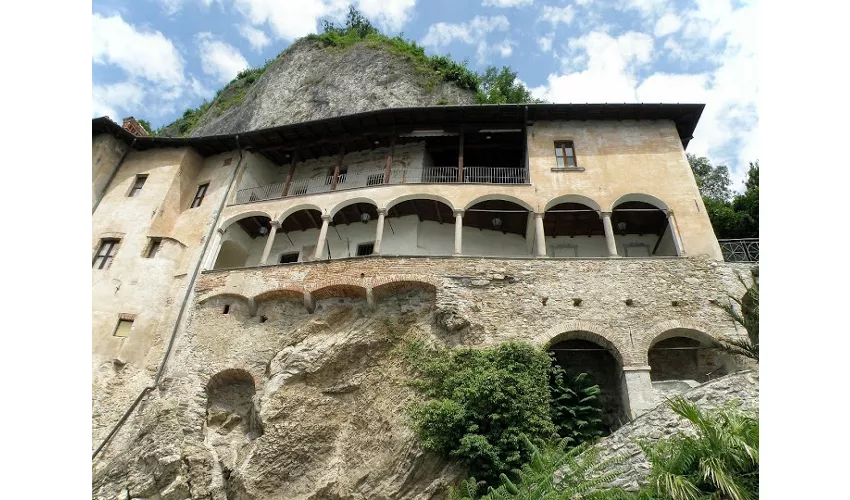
720	462
539	479
574	405
745	312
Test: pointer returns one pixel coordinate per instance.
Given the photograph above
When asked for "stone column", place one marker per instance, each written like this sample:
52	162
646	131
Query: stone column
269	242
638	394
458	232
609	234
677	242
213	249
539	235
323	235
379	232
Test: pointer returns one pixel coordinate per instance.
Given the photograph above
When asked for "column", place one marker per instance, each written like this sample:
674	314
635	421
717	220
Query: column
323	235
458	231
213	249
671	222
539	235
269	242
379	232
638	394
609	234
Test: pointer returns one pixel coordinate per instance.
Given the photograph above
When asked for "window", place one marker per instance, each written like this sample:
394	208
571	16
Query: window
137	185
105	253
365	249
565	154
153	248
125	323
289	258
199	196
226	309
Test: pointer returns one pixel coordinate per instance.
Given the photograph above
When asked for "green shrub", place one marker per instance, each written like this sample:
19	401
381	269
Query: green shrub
574	406
485	406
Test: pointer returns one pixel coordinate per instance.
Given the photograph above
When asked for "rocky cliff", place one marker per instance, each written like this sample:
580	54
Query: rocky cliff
310	81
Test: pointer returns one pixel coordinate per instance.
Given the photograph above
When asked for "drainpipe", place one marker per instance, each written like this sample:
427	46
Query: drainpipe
112	176
189	288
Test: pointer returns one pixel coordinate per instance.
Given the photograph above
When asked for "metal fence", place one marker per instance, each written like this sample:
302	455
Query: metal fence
742	250
353	180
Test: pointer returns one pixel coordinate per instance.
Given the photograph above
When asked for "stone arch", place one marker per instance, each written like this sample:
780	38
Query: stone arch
499	197
399	286
225	295
230	405
640	197
573	198
302	206
351	201
586	330
242	215
677	351
291	294
337	289
421	196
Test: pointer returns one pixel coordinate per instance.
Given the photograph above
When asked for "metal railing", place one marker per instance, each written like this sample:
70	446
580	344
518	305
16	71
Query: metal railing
375	177
741	250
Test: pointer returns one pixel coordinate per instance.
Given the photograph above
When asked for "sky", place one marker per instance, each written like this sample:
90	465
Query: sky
153	59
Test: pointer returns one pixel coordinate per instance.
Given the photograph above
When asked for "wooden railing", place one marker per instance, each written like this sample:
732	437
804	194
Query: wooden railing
355	180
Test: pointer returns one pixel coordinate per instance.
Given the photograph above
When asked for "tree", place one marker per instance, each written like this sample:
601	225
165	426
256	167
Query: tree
147	126
713	182
574	406
500	86
745	312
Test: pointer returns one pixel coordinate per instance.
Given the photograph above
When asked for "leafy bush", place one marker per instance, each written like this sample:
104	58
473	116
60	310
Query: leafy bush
745	312
585	473
721	461
485	405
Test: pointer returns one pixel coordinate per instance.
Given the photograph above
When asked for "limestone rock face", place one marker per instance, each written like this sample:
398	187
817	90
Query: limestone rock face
311	82
321	416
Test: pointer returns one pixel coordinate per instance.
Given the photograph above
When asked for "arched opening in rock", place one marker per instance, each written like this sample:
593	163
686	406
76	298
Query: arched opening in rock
682	358
577	355
230	404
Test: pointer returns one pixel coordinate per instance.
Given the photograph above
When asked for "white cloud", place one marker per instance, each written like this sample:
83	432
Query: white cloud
108	99
545	43
557	15
442	34
171	7
220	59
646	7
290	20
257	38
140	53
669	23
389	14
583	2
505	47
506	3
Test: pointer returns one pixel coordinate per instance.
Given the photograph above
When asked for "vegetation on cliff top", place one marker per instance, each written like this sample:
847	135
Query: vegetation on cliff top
494	86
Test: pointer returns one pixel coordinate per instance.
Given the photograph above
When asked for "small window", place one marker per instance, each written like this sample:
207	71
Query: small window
226	309
565	154
137	185
289	258
199	196
365	249
125	323
105	253
153	248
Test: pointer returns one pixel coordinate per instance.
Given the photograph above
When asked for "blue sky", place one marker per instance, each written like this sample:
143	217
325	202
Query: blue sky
152	59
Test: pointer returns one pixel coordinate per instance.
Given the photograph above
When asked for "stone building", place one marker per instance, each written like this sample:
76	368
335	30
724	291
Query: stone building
576	227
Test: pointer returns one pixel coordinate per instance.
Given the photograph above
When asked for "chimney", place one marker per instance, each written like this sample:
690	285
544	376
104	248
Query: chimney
134	127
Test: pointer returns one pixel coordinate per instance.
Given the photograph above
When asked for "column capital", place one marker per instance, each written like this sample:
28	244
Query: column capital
220	230
669	212
458	213
604	214
275	224
539	215
326	217
382	211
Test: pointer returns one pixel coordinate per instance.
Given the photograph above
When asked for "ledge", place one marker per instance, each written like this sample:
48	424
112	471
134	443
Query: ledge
577	169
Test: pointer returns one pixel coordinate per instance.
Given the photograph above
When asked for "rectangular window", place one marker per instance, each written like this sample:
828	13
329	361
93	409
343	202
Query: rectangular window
137	185
565	154
125	323
199	196
154	247
105	253
365	249
289	258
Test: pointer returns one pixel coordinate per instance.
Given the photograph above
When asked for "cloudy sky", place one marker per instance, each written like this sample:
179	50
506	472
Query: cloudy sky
154	58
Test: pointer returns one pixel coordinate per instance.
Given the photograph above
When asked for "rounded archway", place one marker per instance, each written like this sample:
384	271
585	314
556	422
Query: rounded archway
498	228
242	242
419	226
686	357
574	230
576	353
642	229
230	404
352	230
